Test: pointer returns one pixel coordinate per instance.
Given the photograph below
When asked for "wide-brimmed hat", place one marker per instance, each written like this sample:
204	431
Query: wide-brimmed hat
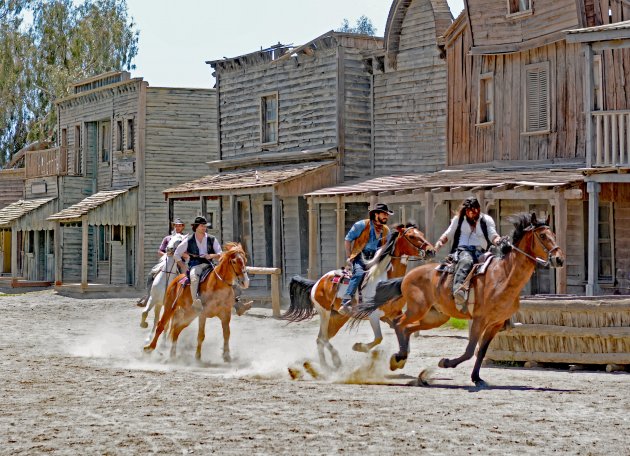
381	207
199	221
178	221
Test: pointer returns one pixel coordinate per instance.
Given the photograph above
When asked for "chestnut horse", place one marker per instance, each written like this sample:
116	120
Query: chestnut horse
430	302
216	294
309	297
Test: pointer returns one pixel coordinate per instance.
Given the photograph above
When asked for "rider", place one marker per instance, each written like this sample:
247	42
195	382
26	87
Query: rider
361	243
470	240
200	252
178	228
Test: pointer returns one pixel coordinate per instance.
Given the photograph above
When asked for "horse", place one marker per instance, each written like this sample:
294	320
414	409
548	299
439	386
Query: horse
427	293
166	271
215	292
309	297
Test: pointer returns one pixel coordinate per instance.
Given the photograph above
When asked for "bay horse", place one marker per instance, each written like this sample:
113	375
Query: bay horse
216	294
166	272
430	303
309	297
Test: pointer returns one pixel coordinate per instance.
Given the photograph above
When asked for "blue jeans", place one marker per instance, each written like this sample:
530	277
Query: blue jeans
467	256
358	272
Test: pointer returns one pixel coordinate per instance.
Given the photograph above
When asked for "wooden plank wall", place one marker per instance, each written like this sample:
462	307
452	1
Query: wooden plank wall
51	187
502	140
491	27
410	102
622	245
181	136
576	248
71	254
327	238
258	282
11	186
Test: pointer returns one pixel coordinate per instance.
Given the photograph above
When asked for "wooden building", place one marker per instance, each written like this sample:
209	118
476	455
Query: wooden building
96	211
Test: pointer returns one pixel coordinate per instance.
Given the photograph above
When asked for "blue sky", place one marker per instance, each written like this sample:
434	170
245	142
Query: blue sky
177	38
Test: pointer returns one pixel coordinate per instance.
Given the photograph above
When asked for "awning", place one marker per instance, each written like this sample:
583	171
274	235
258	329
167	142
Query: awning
614	31
455	179
112	207
14	214
257	180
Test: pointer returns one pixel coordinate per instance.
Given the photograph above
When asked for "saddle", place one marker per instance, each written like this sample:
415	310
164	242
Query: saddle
185	281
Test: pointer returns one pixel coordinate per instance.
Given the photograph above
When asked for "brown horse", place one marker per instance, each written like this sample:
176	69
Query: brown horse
309	297
430	302
215	292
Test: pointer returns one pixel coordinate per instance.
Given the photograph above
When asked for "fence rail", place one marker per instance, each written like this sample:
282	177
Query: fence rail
47	162
612	138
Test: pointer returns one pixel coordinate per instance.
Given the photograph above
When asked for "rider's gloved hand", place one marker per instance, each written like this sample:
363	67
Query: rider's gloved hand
438	245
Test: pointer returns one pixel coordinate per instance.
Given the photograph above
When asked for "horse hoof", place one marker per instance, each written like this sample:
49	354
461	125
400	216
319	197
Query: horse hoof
227	359
395	363
443	363
480	383
359	347
148	348
144	324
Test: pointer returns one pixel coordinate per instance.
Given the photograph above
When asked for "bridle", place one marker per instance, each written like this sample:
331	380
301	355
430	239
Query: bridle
236	274
536	237
421	253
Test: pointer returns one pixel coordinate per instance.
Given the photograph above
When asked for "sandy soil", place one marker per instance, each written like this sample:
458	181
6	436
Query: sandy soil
75	381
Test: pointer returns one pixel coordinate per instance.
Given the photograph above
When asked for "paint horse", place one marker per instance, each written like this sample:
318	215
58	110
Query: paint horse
216	294
309	297
430	303
166	271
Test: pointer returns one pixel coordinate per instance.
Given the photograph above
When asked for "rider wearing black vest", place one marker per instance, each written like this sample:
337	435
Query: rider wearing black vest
470	240
200	248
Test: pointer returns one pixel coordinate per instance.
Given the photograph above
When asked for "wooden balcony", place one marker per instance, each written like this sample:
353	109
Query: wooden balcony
611	146
52	162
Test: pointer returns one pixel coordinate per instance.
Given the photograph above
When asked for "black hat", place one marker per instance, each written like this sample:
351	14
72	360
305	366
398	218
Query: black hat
381	207
178	221
199	221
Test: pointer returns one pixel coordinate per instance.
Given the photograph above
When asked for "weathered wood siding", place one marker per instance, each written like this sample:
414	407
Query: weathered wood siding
71	254
327	238
576	247
410	99
622	245
491	27
503	140
11	186
181	136
51	187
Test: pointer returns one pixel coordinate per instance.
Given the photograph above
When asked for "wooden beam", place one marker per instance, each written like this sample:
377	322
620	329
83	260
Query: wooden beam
592	286
276	210
84	253
14	252
588	103
560	216
313	237
275	158
58	256
341	223
140	169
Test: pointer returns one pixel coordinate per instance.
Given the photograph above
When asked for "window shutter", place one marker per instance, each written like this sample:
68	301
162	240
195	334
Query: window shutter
537	102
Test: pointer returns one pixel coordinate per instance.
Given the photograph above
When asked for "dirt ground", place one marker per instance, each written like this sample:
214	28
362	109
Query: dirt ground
75	381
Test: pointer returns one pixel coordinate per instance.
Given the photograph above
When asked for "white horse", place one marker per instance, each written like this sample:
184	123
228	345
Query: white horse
164	272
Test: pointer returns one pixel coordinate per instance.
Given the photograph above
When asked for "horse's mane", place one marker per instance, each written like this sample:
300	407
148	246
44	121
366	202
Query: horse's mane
521	224
232	248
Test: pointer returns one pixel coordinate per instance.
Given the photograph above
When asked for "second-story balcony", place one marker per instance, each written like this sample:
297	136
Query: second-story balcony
52	162
611	142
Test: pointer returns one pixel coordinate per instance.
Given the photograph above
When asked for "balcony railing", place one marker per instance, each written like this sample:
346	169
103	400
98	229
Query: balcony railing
612	138
52	162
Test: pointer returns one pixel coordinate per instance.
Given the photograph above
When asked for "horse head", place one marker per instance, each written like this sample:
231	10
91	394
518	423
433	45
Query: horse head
535	239
235	256
412	242
176	239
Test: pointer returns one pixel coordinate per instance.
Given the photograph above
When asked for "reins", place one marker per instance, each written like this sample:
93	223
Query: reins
421	252
538	260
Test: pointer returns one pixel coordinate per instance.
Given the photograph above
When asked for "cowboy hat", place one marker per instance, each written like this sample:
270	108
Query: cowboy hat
178	221
381	207
199	221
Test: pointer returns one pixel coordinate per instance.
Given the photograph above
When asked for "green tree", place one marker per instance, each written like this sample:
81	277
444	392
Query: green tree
63	43
363	26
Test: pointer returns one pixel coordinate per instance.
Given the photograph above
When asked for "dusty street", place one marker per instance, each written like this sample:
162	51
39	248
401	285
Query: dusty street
75	381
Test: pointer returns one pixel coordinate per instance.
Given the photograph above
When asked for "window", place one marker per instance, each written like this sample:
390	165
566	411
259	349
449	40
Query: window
598	93
537	98
117	233
103	242
130	134
519	7
119	135
77	164
104	142
269	119
605	240
485	112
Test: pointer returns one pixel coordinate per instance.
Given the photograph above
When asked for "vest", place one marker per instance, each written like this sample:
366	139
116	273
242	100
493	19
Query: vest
458	231
364	237
193	250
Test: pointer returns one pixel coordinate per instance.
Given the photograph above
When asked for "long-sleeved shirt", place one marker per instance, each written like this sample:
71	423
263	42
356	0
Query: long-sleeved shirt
471	237
203	246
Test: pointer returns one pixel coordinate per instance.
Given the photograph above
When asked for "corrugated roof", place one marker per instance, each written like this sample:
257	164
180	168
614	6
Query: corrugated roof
453	178
83	207
16	210
247	179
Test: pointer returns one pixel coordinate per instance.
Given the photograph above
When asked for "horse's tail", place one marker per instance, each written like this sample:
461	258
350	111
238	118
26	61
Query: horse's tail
386	290
301	307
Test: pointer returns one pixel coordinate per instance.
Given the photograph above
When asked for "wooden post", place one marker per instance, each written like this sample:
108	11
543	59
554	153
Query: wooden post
428	216
84	253
58	258
313	236
275	295
171	214
560	229
36	256
14	253
341	225
588	103
592	287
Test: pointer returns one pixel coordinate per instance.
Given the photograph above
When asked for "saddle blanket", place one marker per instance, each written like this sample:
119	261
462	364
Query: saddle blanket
184	281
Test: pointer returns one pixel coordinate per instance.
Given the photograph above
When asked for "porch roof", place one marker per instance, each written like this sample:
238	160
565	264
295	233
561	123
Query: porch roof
111	207
16	210
455	180
251	180
614	31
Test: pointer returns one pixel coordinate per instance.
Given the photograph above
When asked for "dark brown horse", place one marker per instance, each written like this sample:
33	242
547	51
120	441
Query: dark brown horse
216	294
430	301
309	297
